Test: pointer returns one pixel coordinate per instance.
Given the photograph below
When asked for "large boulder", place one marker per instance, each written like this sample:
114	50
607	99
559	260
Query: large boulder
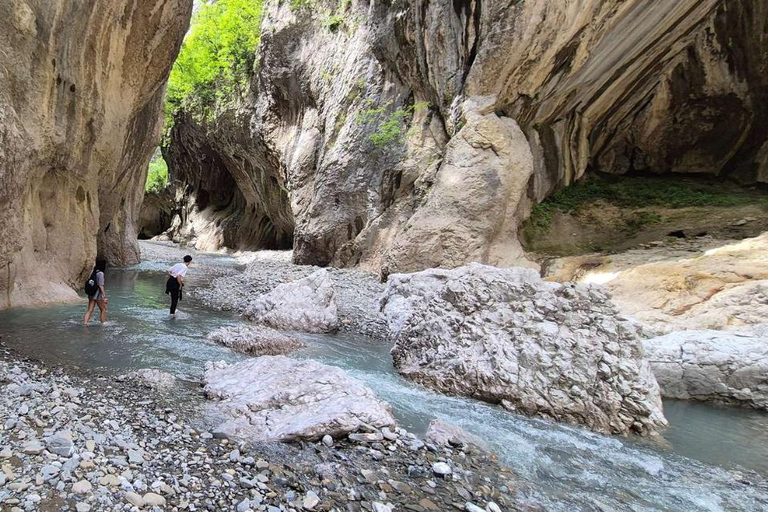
256	340
274	398
712	365
303	305
505	336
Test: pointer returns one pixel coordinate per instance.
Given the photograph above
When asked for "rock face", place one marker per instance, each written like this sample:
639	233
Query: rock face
303	305
281	399
156	214
712	365
418	134
256	341
505	336
722	285
81	89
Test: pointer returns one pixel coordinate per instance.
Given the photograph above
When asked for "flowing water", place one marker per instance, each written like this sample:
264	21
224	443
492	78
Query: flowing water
694	466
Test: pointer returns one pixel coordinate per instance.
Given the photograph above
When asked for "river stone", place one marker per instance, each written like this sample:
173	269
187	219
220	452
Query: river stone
82	487
303	305
725	366
60	444
558	351
153	500
442	433
277	398
441	468
152	378
33	448
256	340
134	499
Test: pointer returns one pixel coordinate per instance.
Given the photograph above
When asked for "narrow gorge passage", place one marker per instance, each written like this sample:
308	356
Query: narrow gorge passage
571	466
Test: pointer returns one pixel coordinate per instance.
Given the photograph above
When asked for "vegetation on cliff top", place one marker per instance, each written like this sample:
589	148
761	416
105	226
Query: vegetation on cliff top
216	58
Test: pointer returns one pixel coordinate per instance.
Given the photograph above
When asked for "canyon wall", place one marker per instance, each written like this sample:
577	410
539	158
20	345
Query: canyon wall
81	91
411	134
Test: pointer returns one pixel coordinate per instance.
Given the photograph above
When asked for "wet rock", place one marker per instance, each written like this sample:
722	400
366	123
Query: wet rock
277	398
304	305
725	366
442	433
256	340
505	336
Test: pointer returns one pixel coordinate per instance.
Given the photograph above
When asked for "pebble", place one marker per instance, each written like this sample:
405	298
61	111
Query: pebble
441	469
134	499
492	507
82	487
311	500
153	500
33	448
327	440
82	507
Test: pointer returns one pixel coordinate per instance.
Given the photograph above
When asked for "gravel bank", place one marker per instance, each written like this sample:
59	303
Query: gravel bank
86	442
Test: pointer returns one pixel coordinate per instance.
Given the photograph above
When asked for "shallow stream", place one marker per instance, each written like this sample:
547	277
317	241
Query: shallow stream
695	465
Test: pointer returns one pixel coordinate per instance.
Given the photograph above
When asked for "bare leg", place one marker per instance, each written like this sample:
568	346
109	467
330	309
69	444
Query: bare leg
91	306
103	308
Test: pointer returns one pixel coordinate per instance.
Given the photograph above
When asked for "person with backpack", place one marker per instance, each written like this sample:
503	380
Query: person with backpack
175	282
97	295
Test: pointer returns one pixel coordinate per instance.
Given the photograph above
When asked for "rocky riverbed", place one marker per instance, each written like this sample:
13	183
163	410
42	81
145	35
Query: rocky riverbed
86	442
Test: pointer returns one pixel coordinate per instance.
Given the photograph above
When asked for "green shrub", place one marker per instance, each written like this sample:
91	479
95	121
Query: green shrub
391	130
216	58
157	176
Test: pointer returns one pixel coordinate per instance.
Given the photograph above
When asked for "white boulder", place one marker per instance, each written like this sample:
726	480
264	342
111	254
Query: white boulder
506	336
303	305
274	398
726	366
256	340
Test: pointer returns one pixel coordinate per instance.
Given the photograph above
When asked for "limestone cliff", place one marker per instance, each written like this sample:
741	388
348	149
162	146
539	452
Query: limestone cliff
81	87
418	133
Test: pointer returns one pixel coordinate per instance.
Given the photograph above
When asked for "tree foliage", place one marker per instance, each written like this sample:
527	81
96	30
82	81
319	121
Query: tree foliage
216	58
157	177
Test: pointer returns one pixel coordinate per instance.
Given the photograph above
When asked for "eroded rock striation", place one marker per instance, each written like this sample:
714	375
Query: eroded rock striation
306	305
274	398
81	90
505	336
712	365
418	134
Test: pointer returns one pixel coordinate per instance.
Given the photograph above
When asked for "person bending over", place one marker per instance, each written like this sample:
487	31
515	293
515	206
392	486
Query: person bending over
97	295
176	281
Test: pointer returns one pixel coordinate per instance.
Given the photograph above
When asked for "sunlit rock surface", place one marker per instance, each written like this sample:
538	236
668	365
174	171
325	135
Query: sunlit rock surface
505	336
274	398
488	109
306	305
81	91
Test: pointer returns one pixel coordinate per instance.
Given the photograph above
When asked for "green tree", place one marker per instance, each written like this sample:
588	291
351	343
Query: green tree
157	177
216	58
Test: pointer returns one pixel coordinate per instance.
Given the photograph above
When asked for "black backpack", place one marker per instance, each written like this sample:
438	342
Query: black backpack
90	285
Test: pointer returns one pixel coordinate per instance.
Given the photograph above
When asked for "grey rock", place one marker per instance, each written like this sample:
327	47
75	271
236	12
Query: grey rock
725	366
60	444
304	305
277	398
539	348
441	469
256	340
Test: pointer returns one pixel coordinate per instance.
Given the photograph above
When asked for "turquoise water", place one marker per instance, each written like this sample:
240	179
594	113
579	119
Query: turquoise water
689	468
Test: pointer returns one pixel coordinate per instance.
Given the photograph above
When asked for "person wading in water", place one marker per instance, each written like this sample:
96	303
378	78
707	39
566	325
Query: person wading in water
176	281
97	295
